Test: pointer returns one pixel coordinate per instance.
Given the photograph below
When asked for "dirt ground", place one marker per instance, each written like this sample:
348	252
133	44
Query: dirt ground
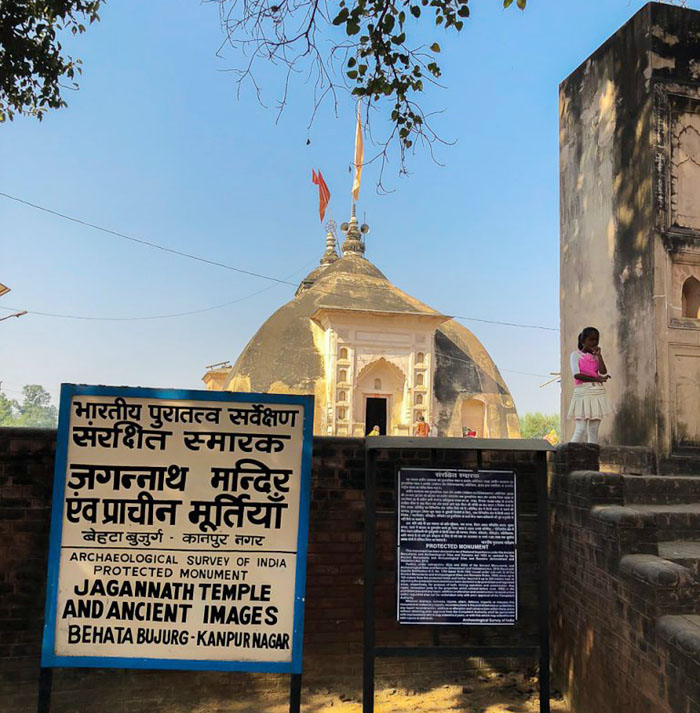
489	693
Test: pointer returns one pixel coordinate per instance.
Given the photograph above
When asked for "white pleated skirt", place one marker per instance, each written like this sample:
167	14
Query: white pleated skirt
589	402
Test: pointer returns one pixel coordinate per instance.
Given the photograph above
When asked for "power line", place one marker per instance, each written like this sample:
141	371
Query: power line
157	316
230	302
148	243
157	246
507	324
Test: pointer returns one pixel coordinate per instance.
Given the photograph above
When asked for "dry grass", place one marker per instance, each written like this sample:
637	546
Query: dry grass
488	693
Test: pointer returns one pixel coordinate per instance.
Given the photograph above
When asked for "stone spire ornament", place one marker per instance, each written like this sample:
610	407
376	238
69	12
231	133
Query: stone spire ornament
353	243
331	255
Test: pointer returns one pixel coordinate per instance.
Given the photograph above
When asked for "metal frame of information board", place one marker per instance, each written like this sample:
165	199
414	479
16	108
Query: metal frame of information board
370	650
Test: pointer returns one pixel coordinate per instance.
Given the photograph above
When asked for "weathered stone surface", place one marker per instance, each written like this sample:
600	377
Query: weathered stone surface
616	571
682	632
684	515
655	489
656	571
630	229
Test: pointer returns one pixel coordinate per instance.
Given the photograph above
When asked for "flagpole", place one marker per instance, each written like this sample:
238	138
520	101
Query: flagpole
359	158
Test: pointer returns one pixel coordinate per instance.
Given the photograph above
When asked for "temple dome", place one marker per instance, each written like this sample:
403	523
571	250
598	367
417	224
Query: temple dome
349	301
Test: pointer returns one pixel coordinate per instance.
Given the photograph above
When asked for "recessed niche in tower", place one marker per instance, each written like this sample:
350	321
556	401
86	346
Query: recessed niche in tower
420	380
420	358
341	396
343	354
691	298
378	384
419	398
343	375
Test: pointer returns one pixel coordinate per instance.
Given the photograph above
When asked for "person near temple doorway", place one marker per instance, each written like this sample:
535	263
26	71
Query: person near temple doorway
588	403
421	428
432	430
374	432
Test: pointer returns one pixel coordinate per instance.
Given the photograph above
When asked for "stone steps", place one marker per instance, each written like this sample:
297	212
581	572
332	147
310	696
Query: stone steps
683	552
681	631
661	564
670	587
679	634
660	489
656	571
676	521
670	531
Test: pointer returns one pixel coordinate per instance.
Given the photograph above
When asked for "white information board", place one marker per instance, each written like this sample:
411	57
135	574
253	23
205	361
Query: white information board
179	530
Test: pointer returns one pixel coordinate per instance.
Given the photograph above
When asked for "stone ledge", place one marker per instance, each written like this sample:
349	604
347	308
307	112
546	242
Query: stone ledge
660	489
676	516
682	632
595	477
656	571
632	460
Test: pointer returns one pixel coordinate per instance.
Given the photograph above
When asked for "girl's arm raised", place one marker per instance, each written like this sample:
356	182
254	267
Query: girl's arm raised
601	363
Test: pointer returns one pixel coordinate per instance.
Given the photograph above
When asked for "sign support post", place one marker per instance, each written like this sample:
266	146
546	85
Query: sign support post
295	693
370	562
543	583
45	686
370	650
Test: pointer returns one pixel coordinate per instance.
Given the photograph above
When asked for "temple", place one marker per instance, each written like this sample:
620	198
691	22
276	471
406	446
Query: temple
372	356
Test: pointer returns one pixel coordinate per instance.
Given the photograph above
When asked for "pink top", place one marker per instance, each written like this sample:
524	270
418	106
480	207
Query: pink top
583	363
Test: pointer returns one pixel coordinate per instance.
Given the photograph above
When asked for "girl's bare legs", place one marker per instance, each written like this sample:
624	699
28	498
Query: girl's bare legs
593	426
580	431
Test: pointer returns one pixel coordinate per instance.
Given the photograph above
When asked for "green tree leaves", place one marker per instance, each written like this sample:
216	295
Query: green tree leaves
381	50
35	411
32	61
537	425
394	68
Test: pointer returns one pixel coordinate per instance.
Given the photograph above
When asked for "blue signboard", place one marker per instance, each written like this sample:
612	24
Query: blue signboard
179	530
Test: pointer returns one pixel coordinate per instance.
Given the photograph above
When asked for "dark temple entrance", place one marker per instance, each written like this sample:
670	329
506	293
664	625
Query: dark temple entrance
375	415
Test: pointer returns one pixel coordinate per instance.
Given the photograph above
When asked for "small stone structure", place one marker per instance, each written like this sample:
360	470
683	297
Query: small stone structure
630	227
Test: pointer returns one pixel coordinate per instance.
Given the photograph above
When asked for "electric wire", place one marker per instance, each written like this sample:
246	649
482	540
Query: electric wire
148	243
283	281
156	316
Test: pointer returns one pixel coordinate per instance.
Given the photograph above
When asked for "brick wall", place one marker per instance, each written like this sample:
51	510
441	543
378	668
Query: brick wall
610	590
333	628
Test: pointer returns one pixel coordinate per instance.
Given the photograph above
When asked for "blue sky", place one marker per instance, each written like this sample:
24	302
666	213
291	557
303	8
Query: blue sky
157	145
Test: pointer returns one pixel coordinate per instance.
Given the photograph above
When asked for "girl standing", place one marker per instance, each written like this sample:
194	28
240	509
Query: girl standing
589	403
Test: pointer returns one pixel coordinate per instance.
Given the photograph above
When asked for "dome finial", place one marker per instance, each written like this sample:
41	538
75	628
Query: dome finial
331	255
353	243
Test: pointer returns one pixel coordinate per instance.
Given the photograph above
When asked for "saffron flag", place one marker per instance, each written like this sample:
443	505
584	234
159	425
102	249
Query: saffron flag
324	195
359	155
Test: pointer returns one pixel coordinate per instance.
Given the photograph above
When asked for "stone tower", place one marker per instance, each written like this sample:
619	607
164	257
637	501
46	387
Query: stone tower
630	226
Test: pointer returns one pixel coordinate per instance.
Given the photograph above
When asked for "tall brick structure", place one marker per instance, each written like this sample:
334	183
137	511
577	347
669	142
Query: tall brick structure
630	226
